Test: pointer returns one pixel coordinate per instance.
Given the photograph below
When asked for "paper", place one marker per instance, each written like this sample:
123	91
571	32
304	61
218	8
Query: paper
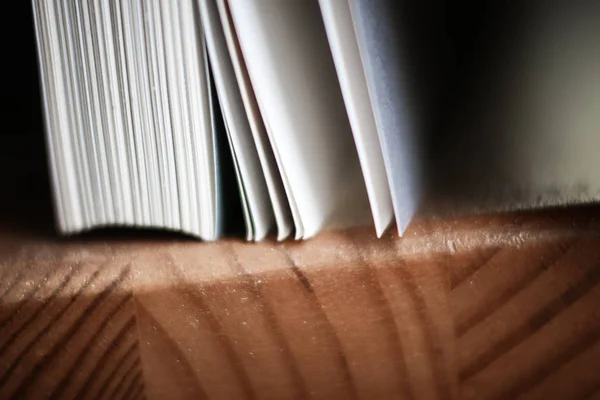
382	48
128	115
344	48
292	72
270	169
253	186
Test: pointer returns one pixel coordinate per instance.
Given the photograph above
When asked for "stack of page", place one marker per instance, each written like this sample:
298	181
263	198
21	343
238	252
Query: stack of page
312	114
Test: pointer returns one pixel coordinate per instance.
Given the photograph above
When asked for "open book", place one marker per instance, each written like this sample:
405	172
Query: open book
314	114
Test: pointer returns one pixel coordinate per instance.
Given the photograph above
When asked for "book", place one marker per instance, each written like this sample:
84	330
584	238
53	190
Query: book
293	117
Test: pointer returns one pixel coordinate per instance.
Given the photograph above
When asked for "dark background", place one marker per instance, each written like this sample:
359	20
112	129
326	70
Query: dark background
24	181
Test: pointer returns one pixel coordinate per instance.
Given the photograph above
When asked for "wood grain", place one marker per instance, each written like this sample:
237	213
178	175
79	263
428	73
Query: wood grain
65	322
490	307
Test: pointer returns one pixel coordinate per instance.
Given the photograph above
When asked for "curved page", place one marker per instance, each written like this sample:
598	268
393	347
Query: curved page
344	48
289	62
250	177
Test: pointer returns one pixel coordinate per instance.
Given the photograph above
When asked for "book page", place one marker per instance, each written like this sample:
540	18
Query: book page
380	29
290	66
270	169
344	48
253	187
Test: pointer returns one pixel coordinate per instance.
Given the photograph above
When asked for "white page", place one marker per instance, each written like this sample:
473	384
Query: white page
385	59
77	117
250	234
158	98
214	211
112	116
178	115
145	130
201	142
274	181
221	201
346	56
128	115
176	143
253	187
290	66
132	103
298	225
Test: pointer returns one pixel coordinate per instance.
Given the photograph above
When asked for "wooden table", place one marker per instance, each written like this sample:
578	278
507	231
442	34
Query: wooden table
489	307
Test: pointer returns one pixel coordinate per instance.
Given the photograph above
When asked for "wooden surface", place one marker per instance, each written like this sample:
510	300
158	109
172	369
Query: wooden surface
491	307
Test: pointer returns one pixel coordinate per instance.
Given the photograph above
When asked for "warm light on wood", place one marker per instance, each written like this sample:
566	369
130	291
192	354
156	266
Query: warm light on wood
495	307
